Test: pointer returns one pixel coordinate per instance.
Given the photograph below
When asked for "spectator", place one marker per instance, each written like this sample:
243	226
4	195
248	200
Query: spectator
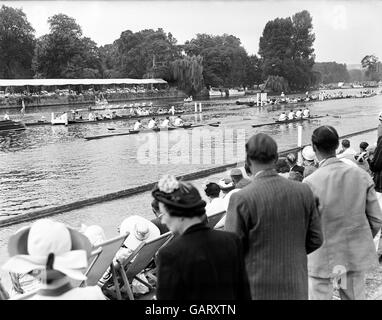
278	224
56	254
361	158
351	217
201	263
157	220
282	167
309	160
216	203
238	180
291	160
346	151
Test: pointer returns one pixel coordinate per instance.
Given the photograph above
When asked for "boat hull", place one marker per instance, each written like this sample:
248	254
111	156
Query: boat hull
10	125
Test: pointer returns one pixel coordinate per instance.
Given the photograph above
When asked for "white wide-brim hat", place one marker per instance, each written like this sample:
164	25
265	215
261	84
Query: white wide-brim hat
135	224
30	247
308	153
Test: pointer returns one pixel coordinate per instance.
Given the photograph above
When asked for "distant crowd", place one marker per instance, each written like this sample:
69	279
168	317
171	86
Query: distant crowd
304	226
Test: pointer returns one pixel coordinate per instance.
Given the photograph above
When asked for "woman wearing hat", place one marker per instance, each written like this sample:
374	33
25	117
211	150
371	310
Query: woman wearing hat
201	263
309	160
55	254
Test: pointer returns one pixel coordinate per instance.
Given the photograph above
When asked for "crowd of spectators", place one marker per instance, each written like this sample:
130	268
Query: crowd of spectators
292	228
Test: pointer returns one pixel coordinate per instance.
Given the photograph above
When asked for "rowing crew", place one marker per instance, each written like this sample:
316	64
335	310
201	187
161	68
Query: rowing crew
178	122
299	114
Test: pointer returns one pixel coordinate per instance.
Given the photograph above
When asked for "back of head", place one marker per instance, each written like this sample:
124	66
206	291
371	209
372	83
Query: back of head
345	143
291	158
212	190
261	148
325	139
363	145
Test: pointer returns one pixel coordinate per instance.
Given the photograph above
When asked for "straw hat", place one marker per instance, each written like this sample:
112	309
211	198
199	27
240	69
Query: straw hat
30	247
308	153
140	229
226	184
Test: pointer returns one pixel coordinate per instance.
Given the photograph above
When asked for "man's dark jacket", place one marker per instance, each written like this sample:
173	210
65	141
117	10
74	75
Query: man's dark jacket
376	166
202	264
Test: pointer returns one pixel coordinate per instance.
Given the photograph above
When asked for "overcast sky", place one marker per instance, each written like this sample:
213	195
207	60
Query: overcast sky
345	31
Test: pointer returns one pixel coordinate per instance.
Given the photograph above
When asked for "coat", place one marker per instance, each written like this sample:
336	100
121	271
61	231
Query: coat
376	165
277	222
350	216
202	264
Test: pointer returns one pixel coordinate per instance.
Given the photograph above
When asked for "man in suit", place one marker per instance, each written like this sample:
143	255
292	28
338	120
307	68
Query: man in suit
351	217
200	263
277	222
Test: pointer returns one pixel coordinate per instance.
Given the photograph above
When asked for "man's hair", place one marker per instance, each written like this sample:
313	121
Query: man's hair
261	148
325	139
212	190
345	143
363	145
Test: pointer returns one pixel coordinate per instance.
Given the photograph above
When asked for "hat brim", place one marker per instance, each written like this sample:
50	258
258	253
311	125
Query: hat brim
128	226
18	242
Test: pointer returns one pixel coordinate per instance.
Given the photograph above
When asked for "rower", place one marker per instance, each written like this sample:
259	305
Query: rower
137	125
166	123
291	115
178	122
152	123
283	116
91	116
6	116
299	114
306	113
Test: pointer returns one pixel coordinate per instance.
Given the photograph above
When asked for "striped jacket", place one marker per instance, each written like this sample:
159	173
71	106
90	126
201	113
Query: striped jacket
278	224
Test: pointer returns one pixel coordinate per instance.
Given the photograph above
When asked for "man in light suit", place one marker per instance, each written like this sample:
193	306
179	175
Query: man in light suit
351	217
277	222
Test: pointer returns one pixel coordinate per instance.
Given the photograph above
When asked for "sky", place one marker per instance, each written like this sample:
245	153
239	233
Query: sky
345	31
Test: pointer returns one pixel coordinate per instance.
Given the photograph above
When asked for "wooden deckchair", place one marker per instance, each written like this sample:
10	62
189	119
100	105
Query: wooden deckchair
104	260
139	260
213	219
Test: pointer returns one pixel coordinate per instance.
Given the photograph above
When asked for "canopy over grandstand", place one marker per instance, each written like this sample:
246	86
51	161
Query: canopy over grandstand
64	82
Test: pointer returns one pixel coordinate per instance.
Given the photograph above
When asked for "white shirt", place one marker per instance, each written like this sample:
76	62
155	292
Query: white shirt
216	205
298	114
282	117
165	123
6	117
152	124
291	115
306	113
349	153
178	122
137	126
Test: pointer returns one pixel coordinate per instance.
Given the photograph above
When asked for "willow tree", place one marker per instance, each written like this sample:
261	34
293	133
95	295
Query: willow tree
188	72
277	84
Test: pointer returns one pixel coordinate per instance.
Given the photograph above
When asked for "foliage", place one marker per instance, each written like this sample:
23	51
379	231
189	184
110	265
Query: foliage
64	53
356	75
332	72
286	50
145	54
17	43
277	84
225	61
188	72
373	67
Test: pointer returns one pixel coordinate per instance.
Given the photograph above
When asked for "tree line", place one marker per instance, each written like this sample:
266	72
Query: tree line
285	61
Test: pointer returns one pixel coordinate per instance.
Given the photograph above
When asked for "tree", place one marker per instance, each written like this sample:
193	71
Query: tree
372	66
17	43
286	50
331	72
188	72
64	53
224	59
146	53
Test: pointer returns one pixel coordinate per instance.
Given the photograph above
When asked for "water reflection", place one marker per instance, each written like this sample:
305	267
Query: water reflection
53	165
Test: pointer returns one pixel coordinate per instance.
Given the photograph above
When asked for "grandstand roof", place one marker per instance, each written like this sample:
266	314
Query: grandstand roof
63	82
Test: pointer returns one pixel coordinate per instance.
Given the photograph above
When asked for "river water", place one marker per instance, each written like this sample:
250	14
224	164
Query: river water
48	166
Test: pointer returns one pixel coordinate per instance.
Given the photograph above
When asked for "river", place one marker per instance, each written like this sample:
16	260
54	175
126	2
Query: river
48	166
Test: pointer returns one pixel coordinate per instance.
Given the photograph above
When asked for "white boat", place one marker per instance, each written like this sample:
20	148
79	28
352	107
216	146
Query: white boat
60	119
357	85
216	93
189	99
235	92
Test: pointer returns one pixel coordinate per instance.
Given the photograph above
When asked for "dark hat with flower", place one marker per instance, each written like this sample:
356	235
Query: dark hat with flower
177	194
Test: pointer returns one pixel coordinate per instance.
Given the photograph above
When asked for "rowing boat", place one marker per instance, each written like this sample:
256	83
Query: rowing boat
186	126
10	125
287	121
